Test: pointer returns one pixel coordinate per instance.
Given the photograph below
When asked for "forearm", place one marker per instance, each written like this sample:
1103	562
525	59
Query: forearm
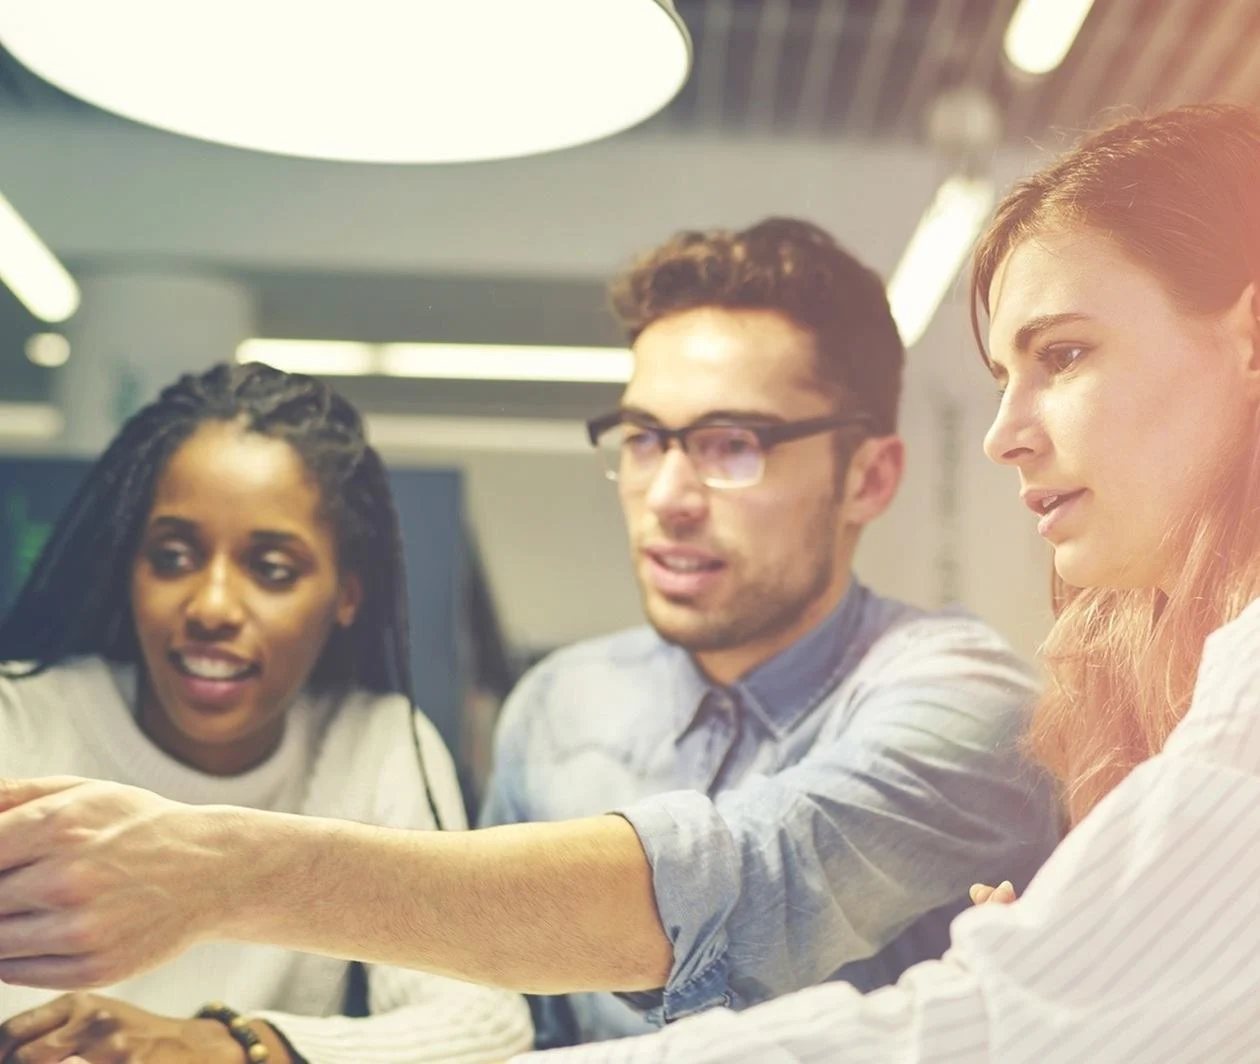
543	908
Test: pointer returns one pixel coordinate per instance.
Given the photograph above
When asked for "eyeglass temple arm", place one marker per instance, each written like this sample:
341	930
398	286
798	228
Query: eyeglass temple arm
772	434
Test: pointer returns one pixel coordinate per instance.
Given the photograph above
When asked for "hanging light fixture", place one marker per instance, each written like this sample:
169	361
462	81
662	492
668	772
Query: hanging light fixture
405	81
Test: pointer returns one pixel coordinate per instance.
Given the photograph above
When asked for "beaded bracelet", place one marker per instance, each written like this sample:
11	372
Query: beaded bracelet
242	1034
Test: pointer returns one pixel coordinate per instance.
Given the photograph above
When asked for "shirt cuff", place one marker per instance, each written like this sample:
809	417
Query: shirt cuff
696	880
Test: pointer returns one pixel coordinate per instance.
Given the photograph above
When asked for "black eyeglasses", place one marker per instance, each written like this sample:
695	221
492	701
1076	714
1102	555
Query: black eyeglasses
724	455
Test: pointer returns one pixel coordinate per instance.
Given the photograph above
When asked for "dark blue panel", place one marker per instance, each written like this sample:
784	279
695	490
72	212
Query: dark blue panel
431	512
33	492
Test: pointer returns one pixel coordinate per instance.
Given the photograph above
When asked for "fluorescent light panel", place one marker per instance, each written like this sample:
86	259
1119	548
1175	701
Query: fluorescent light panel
937	249
500	362
32	271
326	358
30	421
1041	33
503	362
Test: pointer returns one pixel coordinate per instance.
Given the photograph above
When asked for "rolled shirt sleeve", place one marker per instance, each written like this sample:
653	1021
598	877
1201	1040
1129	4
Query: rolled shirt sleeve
778	883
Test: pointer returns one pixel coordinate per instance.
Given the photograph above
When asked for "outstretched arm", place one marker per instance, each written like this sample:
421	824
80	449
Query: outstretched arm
102	881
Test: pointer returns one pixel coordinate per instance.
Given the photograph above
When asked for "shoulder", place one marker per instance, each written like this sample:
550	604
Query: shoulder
375	759
366	722
951	641
27	702
945	670
55	691
1223	721
38	713
630	649
614	697
1233	650
635	661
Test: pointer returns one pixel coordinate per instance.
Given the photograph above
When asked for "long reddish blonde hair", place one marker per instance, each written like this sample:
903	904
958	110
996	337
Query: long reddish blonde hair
1179	193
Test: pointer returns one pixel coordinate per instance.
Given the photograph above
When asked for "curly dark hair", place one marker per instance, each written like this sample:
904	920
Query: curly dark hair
788	266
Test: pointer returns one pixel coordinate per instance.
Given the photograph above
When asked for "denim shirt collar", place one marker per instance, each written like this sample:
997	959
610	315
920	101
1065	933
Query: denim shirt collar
779	692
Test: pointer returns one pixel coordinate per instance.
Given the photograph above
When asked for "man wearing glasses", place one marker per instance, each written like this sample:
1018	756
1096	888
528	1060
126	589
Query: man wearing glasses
815	774
783	779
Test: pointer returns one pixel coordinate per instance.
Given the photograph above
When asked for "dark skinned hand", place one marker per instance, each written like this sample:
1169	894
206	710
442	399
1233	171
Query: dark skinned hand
102	1030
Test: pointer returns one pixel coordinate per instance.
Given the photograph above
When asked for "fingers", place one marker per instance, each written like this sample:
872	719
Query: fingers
27	827
83	972
45	934
97	1035
53	886
1002	894
34	1023
23	892
18	792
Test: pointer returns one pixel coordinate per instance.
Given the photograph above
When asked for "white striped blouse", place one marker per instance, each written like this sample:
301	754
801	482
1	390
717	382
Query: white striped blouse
1138	941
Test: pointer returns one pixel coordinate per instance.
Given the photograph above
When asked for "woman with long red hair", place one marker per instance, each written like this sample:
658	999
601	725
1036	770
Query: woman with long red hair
1158	222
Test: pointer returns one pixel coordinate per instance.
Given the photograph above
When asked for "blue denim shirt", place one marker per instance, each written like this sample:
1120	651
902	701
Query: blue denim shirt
821	818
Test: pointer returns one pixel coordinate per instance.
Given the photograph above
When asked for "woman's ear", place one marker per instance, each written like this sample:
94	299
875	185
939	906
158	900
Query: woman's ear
1243	327
349	599
1254	306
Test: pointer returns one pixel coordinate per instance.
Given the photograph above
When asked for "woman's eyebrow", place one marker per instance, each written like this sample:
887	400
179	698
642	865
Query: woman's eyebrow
270	537
179	525
1033	327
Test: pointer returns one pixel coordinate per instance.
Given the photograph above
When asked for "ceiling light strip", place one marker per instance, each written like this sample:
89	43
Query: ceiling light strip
498	362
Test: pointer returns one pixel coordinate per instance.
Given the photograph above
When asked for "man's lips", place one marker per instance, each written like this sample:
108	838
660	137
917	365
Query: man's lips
681	572
684	559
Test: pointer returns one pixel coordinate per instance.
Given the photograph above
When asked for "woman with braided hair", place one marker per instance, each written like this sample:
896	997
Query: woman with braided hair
220	616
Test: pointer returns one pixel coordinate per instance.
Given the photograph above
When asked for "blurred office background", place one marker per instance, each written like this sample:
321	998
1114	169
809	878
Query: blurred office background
851	113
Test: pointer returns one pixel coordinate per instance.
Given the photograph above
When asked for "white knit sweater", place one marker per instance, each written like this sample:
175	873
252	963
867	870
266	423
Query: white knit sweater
355	760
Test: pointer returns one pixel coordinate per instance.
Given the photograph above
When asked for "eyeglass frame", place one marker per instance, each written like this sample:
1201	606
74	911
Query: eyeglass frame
768	435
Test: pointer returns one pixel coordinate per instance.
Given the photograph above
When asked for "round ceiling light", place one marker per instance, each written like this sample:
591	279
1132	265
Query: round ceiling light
406	81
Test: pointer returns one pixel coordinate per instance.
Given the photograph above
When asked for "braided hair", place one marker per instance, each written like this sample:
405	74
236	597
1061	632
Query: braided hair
77	601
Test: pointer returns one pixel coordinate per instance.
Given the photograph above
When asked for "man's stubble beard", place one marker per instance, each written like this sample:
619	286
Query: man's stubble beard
756	612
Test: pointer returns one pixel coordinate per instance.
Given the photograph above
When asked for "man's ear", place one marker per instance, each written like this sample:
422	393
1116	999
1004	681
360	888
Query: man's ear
873	477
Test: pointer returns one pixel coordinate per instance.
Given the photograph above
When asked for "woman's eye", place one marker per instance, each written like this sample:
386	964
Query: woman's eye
169	559
1063	356
275	572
